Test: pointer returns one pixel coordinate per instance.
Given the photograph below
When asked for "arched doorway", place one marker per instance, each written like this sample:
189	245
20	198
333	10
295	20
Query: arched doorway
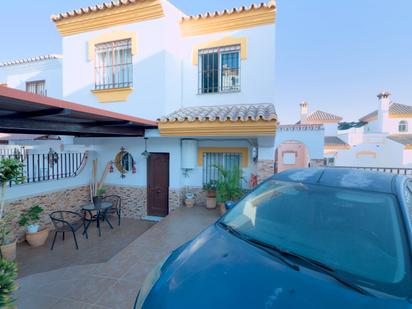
291	154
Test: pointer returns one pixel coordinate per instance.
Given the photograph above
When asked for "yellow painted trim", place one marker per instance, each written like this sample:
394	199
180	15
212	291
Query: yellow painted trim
112	95
366	153
332	147
225	41
218	128
400	115
408	147
110	37
125	14
226	22
242	150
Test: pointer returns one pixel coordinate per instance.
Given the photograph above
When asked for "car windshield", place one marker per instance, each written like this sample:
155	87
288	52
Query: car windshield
359	234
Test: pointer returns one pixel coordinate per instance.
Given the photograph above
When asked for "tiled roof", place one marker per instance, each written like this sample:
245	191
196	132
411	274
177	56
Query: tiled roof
242	112
92	9
320	116
369	117
334	141
394	109
300	127
32	59
400	109
404	139
242	9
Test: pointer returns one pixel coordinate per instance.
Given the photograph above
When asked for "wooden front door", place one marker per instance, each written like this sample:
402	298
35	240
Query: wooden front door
158	184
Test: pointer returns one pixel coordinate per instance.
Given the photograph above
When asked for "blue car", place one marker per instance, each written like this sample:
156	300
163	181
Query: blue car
305	238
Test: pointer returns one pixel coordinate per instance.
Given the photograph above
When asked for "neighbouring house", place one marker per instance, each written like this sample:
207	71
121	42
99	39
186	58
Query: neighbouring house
312	141
382	138
161	98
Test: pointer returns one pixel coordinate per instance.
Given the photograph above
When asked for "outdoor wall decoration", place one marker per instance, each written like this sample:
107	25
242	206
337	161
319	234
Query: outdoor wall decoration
124	162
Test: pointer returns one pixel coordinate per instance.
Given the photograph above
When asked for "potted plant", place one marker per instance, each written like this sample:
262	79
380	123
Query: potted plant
190	199
11	170
210	188
97	199
8	275
7	237
228	186
31	219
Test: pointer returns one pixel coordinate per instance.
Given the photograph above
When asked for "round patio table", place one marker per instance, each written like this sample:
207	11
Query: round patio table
100	214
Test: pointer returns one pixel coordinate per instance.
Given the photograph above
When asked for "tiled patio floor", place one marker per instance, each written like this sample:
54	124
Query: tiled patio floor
91	251
113	284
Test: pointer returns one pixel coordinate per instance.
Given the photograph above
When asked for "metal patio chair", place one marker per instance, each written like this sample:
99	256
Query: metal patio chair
117	205
67	221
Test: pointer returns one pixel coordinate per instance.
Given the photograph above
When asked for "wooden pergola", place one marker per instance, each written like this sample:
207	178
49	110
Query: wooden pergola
28	113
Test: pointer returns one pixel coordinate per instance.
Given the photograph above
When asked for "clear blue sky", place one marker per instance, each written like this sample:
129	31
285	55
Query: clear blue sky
335	54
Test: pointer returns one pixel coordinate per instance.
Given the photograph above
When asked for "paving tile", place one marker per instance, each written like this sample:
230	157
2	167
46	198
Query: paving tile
120	296
30	300
69	304
108	271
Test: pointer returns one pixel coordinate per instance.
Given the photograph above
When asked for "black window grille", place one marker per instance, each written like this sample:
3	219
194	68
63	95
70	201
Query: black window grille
219	69
229	161
48	166
113	65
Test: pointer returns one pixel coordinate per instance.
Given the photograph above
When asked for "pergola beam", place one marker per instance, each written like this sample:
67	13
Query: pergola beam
39	113
29	126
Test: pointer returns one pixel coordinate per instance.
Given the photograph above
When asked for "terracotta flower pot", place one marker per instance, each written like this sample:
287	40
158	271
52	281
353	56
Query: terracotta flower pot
211	193
9	251
37	239
190	203
222	208
211	203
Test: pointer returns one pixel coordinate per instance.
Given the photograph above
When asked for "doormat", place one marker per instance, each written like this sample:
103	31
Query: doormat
152	218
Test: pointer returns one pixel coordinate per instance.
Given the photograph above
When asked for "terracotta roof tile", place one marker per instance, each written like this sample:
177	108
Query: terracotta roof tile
400	109
242	112
32	59
320	116
334	141
92	8
394	109
404	139
369	117
242	9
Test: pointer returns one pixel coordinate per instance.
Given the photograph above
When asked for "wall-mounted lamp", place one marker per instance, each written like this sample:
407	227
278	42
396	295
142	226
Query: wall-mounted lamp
145	153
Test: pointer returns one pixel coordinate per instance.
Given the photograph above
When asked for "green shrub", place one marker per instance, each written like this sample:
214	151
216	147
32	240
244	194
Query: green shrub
228	185
8	275
30	216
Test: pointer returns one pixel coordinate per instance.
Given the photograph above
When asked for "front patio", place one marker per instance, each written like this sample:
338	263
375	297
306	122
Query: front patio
106	272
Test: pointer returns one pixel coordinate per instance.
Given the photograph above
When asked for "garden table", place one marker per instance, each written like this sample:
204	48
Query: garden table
100	214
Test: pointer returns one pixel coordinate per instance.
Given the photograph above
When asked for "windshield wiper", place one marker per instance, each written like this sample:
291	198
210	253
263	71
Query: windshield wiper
327	270
273	251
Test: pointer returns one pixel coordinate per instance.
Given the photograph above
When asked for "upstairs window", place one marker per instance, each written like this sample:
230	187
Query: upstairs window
403	126
113	65
37	87
219	69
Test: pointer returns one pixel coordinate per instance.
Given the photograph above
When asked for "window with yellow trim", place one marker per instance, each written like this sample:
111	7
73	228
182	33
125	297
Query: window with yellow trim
211	160
219	69
113	65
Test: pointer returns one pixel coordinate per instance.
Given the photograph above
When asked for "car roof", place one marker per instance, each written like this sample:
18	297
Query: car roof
341	177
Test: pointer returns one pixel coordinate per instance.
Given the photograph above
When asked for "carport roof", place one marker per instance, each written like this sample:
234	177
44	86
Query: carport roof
28	113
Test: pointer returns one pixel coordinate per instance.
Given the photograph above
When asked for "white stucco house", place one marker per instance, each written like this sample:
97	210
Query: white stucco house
312	141
383	139
201	87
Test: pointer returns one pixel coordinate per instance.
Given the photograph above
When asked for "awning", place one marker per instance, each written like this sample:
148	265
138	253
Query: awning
221	120
28	113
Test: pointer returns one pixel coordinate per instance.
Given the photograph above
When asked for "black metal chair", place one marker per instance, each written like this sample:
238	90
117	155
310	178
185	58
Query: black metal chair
117	205
67	221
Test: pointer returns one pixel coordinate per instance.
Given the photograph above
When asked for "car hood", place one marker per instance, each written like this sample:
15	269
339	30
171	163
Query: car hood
218	270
